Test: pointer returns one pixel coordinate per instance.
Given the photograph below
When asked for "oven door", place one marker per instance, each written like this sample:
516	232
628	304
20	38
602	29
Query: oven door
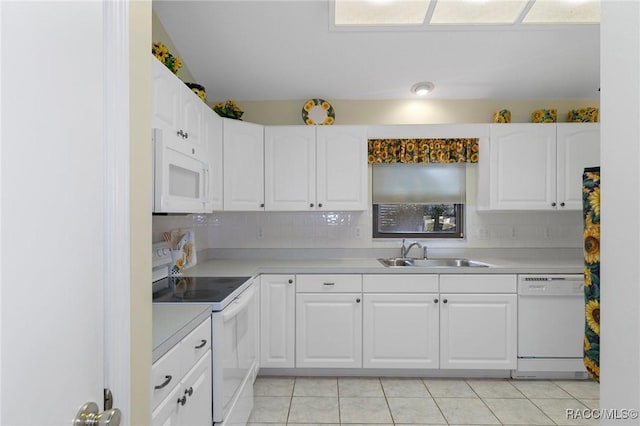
234	357
181	182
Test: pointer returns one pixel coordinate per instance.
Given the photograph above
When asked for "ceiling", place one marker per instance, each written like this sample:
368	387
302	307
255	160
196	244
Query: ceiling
282	50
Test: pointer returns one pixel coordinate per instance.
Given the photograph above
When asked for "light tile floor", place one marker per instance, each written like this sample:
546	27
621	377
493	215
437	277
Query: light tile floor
416	401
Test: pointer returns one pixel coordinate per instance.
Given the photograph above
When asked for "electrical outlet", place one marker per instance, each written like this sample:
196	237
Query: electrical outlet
260	235
356	233
547	232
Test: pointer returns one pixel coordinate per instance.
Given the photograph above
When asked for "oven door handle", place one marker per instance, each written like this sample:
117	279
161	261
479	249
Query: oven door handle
238	304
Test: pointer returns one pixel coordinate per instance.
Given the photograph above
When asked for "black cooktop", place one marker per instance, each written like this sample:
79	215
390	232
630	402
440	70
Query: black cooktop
218	291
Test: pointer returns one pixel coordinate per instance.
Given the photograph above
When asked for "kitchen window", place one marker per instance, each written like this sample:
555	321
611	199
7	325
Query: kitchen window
418	200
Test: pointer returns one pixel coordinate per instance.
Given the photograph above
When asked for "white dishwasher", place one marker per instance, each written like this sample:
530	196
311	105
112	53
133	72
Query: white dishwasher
551	325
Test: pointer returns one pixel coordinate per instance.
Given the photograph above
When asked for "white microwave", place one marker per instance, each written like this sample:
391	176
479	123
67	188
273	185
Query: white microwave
180	181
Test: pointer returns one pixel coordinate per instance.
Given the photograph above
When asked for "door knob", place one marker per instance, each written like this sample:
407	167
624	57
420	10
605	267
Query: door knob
89	415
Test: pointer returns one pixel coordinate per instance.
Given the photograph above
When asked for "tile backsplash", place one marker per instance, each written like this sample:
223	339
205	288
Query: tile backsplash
354	230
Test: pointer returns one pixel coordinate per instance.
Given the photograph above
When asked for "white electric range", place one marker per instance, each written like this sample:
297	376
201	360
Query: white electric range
234	313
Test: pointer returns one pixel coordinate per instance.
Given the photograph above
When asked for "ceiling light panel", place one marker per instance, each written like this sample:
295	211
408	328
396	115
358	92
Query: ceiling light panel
563	12
477	12
380	12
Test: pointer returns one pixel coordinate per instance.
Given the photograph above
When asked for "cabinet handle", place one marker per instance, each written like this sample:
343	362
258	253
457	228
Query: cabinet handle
202	343
262	205
311	205
561	204
182	400
186	135
290	281
357	300
444	300
167	379
189	391
180	133
329	283
553	204
435	300
319	204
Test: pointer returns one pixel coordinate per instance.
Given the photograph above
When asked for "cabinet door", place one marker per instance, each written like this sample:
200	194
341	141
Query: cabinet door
400	331
341	162
192	110
212	135
478	331
328	330
165	101
578	146
243	165
290	168
523	167
277	321
169	410
196	387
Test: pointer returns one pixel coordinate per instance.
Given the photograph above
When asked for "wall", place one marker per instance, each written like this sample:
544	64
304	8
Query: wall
158	33
620	209
140	190
418	111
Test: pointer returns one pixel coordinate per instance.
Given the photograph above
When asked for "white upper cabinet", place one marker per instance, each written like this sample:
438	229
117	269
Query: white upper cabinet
212	134
243	145
537	166
318	168
578	148
341	162
177	111
290	168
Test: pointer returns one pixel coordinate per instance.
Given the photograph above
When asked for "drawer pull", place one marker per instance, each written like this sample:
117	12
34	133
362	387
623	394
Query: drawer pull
435	300
189	391
329	283
182	400
167	379
202	343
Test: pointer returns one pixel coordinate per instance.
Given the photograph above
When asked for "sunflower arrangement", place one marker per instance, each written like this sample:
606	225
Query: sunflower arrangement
228	109
161	53
544	116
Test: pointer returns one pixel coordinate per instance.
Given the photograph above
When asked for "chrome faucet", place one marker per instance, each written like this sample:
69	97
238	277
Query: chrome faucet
404	250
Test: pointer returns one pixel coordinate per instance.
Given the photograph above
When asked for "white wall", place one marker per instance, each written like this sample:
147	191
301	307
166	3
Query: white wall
620	208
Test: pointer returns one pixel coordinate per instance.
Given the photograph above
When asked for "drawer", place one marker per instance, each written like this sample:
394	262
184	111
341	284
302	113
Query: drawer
400	283
338	283
485	283
195	345
165	375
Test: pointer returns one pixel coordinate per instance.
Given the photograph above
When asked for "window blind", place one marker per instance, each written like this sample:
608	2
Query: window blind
419	183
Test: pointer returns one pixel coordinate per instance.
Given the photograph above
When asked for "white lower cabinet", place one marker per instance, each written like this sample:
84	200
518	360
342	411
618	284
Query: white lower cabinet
328	321
410	321
277	321
181	387
478	330
400	324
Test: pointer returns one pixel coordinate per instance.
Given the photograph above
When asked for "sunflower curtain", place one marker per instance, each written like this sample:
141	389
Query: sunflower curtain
591	215
423	150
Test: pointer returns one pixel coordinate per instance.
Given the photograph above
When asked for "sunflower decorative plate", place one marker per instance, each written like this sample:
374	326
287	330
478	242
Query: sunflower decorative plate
318	111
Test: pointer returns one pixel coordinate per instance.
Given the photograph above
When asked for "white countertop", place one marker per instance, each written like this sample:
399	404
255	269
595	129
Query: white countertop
560	264
172	322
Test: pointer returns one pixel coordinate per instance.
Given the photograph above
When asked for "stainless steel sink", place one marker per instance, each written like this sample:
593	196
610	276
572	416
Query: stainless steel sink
395	262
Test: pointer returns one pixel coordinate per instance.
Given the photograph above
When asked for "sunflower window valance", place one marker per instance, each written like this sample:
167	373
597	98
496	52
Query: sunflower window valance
423	150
